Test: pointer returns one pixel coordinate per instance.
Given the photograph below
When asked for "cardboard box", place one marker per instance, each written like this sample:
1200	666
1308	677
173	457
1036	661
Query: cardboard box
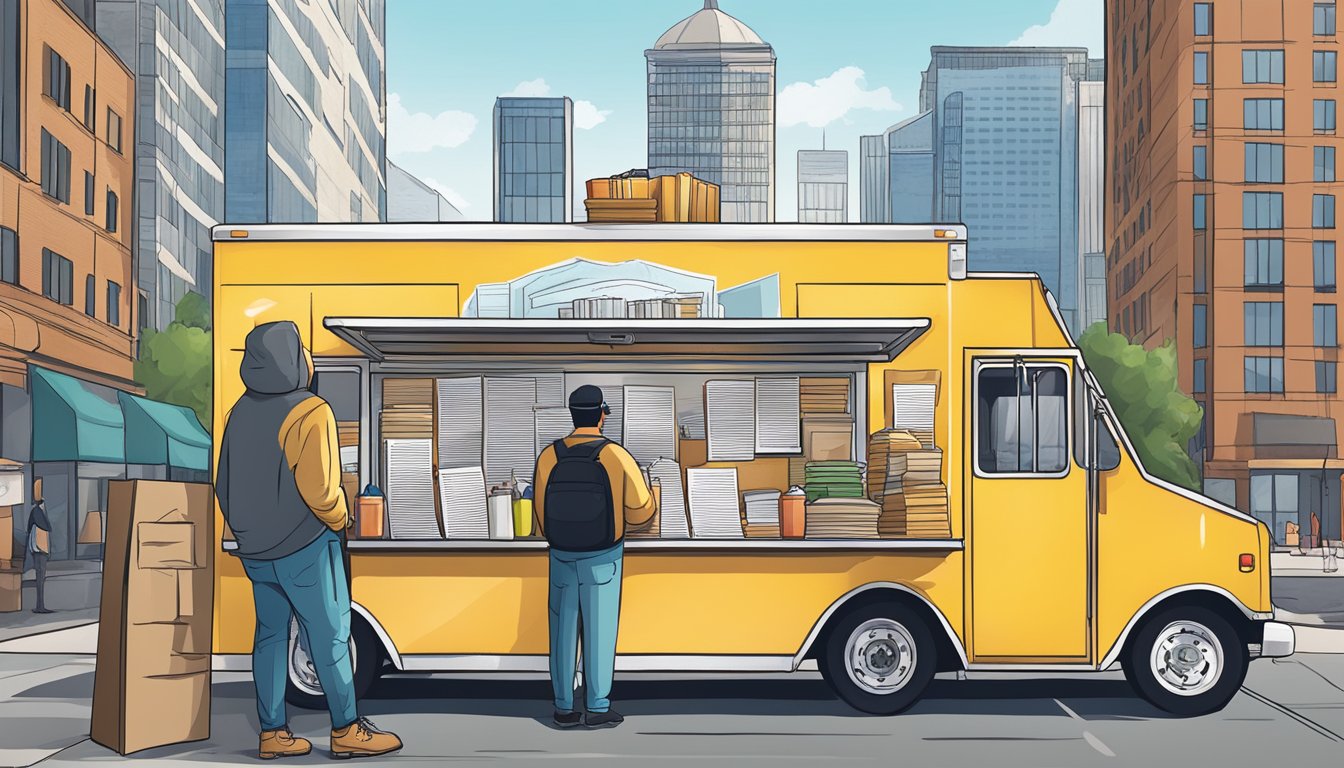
11	591
828	438
92	530
6	533
152	683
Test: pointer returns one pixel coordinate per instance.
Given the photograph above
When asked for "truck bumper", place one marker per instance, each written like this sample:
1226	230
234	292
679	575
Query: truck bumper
1278	640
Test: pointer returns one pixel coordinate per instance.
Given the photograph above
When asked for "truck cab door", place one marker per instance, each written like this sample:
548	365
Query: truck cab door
1027	515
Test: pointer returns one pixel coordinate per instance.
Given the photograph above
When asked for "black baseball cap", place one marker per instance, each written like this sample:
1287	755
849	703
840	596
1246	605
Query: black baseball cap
588	398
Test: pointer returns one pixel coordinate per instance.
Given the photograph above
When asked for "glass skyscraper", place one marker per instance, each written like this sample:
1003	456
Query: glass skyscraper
874	189
910	172
304	130
823	186
176	51
534	159
711	86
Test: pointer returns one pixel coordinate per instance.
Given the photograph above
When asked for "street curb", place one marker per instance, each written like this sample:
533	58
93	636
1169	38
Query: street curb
1318	639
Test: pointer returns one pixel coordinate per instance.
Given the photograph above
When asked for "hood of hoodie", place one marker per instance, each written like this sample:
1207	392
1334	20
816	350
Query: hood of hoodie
273	359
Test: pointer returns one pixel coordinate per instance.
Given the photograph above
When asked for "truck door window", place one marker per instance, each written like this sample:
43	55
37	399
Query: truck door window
1090	420
1022	417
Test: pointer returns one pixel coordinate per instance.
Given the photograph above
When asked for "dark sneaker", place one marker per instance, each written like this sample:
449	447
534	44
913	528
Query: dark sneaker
568	719
609	719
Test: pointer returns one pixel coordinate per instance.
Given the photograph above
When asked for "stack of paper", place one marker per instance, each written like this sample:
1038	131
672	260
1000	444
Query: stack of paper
824	395
408	409
461	427
762	513
462	496
551	389
778	418
410	489
672	517
842	519
913	408
650	429
833	479
714	510
599	307
730	414
510	429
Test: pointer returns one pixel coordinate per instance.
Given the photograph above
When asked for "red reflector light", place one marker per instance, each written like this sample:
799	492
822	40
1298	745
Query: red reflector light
1247	563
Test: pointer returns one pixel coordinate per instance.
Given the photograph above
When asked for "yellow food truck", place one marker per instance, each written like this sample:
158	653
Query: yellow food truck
871	462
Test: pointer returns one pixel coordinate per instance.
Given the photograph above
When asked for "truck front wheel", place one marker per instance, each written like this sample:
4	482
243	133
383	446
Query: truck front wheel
303	689
879	658
1188	661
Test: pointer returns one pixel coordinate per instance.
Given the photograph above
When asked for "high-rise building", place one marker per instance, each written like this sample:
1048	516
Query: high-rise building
410	199
910	170
712	110
176	51
823	186
1221	219
874	171
534	159
1091	203
305	126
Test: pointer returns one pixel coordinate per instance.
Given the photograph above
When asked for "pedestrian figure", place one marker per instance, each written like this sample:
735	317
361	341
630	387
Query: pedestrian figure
39	545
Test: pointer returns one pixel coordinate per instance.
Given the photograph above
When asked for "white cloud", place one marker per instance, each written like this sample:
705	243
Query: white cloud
822	102
451	195
536	87
1073	23
586	113
421	132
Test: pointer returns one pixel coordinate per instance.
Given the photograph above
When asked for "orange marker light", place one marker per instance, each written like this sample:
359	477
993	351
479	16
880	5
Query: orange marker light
1247	563
238	233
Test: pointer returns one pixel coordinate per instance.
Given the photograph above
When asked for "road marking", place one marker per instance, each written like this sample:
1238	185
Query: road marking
1303	719
1088	736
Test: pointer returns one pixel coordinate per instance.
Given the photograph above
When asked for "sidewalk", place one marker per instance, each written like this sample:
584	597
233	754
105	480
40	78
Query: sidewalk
74	588
1294	563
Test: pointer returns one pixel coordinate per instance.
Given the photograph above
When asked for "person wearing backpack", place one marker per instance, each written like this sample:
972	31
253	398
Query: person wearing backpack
587	490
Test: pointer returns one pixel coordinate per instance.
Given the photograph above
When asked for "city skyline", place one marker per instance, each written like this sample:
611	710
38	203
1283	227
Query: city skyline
832	77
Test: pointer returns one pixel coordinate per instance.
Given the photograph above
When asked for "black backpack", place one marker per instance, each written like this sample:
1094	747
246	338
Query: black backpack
578	514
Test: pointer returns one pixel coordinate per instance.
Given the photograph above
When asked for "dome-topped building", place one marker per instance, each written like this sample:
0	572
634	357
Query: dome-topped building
711	82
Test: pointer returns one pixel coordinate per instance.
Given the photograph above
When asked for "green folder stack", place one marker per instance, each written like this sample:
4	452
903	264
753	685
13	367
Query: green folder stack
833	480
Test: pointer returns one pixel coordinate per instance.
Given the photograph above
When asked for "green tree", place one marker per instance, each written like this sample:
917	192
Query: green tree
174	364
1141	385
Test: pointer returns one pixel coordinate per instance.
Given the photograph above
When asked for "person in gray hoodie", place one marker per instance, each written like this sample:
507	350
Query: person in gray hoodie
278	484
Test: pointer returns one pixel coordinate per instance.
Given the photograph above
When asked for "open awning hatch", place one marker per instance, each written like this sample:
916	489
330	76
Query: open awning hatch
747	340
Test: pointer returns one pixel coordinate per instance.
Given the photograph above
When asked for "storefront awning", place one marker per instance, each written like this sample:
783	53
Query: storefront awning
73	423
163	434
1285	436
745	340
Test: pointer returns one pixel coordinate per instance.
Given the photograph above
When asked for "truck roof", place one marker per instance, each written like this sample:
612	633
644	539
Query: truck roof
591	232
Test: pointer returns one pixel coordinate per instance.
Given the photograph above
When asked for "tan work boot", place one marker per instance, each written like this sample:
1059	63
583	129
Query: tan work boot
282	743
362	739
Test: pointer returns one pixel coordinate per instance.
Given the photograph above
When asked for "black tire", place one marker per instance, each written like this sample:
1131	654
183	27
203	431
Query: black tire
367	658
893	627
1229	654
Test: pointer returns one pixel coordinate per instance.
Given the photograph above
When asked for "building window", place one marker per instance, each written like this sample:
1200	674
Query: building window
1199	385
112	211
55	168
1323	115
1323	66
1323	265
1264	163
1324	325
88	193
1200	326
1264	323
1262	210
1323	211
1200	214
1274	502
1264	374
1323	20
1201	163
9	256
89	296
58	277
1201	114
113	303
1261	66
1203	19
89	105
1323	166
1263	114
1327	377
1201	68
114	130
56	83
11	77
1264	263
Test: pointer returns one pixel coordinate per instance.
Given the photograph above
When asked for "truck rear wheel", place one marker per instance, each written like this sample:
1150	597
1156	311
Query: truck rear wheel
879	658
1188	661
303	689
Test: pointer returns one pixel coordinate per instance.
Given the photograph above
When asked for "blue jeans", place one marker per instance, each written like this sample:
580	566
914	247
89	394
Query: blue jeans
309	584
585	586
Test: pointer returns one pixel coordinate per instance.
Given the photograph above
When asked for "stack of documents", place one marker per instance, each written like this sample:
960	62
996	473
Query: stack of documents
462	496
672	517
842	519
408	409
778	418
650	429
833	479
601	307
825	395
762	513
461	427
652	309
730	415
913	408
510	429
410	489
714	509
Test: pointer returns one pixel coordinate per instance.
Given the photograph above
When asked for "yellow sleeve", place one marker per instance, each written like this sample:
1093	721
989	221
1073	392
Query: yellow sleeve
314	454
638	498
545	463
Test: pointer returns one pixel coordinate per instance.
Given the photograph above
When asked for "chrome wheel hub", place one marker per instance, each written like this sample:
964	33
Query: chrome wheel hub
880	656
1187	658
302	671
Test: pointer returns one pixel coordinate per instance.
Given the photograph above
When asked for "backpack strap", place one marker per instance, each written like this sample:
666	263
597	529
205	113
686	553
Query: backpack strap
588	449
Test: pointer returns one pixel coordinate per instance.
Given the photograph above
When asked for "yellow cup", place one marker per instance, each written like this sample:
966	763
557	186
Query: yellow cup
522	518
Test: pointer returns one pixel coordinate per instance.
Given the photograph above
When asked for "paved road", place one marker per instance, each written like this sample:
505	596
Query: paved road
1294	707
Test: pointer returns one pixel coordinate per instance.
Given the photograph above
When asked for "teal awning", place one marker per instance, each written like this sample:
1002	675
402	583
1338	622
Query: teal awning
72	423
163	434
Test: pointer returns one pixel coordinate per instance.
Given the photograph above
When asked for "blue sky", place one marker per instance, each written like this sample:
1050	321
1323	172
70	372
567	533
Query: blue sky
846	67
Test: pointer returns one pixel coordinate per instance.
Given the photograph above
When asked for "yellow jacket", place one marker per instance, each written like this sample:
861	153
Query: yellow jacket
631	501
